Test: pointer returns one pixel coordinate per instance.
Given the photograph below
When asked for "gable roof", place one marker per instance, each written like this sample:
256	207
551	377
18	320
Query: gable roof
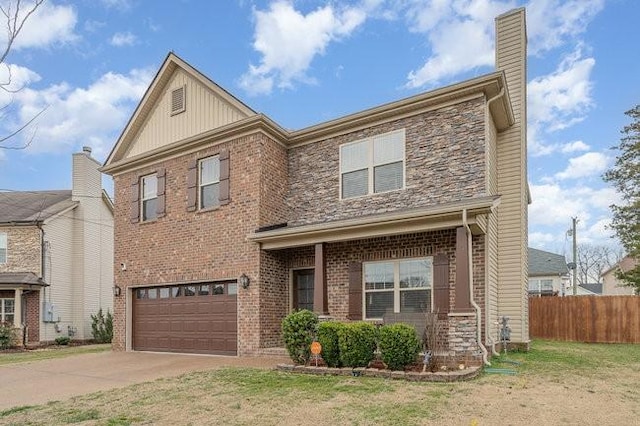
21	207
546	263
595	288
153	93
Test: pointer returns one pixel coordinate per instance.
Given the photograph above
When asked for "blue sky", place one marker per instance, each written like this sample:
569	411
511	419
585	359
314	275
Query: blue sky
302	62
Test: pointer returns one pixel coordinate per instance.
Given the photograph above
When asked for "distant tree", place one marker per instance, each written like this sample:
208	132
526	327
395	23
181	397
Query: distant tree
14	16
593	260
625	177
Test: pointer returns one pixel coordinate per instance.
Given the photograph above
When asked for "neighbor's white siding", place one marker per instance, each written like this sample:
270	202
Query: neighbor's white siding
205	110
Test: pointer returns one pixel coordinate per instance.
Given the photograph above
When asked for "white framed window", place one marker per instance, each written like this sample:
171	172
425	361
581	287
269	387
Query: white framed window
209	182
7	310
3	247
372	165
149	197
397	286
539	285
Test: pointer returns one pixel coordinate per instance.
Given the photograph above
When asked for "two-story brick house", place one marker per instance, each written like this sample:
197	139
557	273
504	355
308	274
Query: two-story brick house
56	256
225	221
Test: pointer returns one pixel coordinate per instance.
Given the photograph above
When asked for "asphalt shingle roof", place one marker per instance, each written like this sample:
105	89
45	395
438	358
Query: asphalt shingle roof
546	263
31	206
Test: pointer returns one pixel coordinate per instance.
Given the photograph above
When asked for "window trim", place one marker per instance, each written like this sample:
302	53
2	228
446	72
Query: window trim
200	185
396	284
3	312
4	236
143	199
371	165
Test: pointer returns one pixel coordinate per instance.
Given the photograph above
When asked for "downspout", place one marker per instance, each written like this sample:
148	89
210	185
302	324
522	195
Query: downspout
473	302
488	326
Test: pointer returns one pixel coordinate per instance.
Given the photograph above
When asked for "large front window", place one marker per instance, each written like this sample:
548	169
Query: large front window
7	310
209	182
3	247
149	197
397	287
372	165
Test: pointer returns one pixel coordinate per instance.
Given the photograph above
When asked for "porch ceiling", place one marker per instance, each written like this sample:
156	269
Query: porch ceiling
442	216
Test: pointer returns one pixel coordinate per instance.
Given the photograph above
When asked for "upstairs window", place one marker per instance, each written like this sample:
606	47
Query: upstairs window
149	192
209	182
372	165
3	247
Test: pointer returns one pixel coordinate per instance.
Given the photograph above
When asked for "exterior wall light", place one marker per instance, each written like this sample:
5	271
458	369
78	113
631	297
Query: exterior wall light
117	291
244	281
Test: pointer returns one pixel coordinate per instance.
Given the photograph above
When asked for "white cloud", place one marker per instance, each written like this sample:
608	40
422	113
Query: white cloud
49	25
563	97
589	164
551	23
288	41
574	146
80	116
123	39
122	5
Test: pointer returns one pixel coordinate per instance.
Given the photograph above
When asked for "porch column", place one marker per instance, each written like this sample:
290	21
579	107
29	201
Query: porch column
320	282
17	308
462	296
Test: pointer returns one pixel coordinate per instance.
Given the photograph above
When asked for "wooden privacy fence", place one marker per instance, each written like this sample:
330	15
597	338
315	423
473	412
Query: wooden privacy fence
592	319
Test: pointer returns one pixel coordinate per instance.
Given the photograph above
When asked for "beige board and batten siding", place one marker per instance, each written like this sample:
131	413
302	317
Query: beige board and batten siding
204	110
512	174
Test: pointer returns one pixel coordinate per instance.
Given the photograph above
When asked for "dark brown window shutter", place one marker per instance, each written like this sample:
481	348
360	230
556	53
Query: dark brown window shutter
192	185
135	202
355	291
224	197
441	285
161	205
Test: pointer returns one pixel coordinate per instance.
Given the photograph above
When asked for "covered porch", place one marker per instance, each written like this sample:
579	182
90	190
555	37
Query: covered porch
20	304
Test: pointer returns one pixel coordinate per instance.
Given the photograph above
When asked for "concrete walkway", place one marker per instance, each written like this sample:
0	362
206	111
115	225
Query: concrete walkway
38	382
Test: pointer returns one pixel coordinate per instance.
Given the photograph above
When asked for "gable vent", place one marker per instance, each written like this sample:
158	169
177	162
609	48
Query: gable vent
178	100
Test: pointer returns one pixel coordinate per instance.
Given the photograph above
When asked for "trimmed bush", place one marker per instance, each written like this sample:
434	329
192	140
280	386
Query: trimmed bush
63	340
7	335
399	345
328	338
298	330
102	327
357	343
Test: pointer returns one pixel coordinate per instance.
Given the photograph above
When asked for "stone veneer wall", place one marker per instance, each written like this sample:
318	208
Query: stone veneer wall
445	161
23	249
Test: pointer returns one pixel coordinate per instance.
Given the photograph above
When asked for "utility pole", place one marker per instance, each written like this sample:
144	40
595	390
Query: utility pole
575	256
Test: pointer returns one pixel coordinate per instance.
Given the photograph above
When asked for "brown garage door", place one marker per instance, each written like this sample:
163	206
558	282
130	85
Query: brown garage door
198	318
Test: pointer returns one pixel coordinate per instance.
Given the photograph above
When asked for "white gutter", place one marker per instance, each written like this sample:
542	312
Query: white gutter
487	325
473	302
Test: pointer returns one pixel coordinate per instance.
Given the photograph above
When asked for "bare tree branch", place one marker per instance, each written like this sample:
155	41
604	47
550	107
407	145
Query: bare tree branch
15	19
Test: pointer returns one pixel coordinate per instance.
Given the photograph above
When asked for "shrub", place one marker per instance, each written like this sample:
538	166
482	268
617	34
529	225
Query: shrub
298	330
102	327
63	340
328	338
7	335
357	343
399	345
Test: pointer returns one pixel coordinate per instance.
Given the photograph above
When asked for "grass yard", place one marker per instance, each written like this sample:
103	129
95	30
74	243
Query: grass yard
50	353
556	383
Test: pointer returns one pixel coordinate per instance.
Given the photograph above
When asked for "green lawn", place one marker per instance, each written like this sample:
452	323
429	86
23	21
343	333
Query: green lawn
571	378
49	353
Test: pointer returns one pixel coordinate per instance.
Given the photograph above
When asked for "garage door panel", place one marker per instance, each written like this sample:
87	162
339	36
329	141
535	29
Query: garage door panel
201	323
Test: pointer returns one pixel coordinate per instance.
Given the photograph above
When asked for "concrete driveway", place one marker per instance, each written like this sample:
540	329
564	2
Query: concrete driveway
38	382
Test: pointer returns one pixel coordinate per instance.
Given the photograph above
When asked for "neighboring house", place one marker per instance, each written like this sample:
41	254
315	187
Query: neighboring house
56	256
548	273
225	222
611	285
593	289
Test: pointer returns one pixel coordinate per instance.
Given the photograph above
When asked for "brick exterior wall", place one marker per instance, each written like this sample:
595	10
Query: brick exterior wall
445	161
32	301
23	249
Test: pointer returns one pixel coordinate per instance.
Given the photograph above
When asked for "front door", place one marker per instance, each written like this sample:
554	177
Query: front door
303	289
